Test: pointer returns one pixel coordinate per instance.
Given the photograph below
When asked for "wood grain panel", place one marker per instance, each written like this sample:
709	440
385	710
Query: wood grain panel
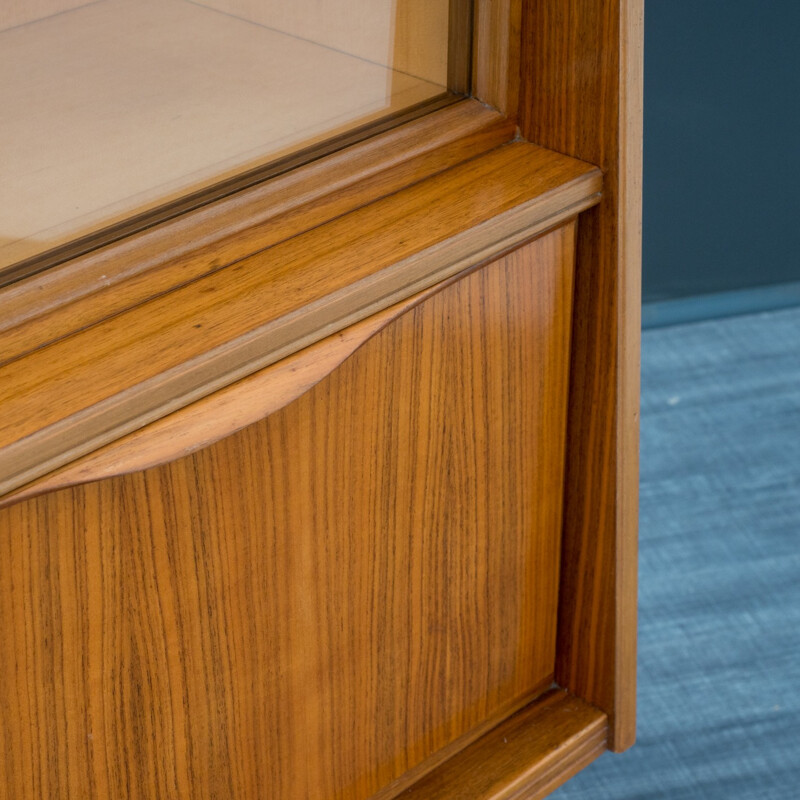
319	603
222	413
68	399
582	95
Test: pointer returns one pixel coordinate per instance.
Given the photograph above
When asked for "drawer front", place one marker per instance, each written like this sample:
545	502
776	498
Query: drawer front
323	604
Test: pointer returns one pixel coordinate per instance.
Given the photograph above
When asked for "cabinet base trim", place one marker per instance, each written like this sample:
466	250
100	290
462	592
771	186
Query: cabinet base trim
525	758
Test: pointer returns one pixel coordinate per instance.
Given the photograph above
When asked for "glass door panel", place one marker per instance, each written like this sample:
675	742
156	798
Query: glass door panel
113	110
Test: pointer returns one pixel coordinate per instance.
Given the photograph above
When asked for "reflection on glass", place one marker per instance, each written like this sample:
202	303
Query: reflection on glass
114	107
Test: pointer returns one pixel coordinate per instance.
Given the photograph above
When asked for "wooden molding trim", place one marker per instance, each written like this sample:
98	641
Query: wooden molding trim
108	281
524	758
226	411
220	414
582	95
82	392
192	201
496	54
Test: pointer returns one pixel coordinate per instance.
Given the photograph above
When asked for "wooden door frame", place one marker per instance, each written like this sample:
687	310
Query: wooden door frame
581	90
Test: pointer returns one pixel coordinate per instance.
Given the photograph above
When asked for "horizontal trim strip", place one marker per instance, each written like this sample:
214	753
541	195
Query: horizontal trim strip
113	233
68	399
221	413
524	758
230	409
87	290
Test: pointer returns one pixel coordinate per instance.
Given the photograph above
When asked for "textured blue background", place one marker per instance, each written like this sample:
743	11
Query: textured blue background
719	617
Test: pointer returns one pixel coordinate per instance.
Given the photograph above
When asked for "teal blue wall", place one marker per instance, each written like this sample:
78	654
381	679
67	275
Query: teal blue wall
722	146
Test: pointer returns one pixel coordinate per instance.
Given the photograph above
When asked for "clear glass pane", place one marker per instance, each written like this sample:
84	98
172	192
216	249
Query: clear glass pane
110	109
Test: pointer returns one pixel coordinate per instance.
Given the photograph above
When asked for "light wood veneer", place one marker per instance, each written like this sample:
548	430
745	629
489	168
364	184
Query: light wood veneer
327	602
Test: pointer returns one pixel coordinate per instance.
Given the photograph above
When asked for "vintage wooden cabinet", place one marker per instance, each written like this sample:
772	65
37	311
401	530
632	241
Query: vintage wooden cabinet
327	487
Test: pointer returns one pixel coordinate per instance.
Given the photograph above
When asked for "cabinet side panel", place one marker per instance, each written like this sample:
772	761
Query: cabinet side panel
582	95
322	603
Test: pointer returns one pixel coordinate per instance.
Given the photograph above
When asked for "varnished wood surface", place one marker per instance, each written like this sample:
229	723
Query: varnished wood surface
459	47
496	54
320	602
217	415
184	205
582	95
220	414
525	758
70	398
87	290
